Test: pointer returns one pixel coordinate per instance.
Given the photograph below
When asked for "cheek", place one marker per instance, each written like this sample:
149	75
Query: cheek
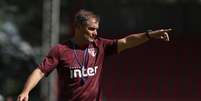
89	33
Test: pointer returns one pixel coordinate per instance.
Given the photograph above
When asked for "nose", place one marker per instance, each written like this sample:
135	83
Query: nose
95	33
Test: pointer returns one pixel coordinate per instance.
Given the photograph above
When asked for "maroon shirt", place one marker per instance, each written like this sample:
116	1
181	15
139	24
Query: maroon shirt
76	81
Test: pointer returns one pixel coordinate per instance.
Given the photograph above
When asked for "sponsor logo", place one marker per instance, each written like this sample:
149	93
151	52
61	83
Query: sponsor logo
82	72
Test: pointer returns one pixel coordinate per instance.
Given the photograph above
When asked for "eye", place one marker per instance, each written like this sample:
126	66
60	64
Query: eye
91	28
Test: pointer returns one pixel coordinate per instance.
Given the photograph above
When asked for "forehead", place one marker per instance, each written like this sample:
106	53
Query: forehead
92	22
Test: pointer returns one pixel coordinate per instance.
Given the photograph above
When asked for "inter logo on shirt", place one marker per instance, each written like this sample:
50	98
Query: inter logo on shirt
82	72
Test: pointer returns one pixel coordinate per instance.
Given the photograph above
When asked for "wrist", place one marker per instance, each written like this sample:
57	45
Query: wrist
26	92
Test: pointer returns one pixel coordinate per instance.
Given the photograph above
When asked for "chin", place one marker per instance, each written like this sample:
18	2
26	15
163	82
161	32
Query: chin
91	40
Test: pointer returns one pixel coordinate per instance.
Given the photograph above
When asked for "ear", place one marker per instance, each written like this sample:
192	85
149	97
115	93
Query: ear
78	27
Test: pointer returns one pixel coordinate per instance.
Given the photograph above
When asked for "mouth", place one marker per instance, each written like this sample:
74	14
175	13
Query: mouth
91	38
95	37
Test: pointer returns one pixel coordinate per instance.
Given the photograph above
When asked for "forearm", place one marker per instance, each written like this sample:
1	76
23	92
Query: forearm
132	40
33	80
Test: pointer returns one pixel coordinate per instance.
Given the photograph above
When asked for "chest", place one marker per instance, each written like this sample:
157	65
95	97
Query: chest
79	57
77	63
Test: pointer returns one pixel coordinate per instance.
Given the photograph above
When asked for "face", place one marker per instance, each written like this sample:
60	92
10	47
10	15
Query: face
89	31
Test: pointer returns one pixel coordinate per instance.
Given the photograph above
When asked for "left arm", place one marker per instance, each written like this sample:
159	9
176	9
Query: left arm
134	40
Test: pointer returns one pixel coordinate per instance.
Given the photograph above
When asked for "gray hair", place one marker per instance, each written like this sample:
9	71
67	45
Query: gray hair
83	16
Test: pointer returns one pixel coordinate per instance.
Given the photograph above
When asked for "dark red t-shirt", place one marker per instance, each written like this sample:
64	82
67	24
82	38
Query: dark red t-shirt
78	83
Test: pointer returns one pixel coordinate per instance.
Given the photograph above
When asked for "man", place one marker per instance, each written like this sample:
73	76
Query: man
79	60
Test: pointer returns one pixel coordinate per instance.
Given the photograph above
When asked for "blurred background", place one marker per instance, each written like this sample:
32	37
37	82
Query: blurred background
155	71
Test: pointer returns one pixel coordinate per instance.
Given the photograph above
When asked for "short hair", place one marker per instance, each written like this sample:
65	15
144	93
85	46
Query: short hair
82	16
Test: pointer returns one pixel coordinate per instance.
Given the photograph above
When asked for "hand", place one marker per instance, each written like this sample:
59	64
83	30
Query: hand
23	97
160	34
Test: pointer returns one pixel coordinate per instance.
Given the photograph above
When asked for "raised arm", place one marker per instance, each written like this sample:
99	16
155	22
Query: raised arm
31	82
139	38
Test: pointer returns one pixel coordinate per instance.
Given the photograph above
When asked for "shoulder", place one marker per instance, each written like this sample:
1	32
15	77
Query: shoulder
59	48
105	39
101	40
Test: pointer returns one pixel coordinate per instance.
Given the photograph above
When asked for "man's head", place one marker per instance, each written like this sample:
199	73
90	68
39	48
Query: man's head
86	25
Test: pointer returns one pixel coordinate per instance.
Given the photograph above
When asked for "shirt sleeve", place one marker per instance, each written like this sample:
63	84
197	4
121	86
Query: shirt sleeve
50	61
110	46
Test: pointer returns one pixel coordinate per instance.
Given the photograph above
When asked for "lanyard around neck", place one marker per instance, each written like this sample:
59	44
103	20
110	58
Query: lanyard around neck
85	57
84	62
